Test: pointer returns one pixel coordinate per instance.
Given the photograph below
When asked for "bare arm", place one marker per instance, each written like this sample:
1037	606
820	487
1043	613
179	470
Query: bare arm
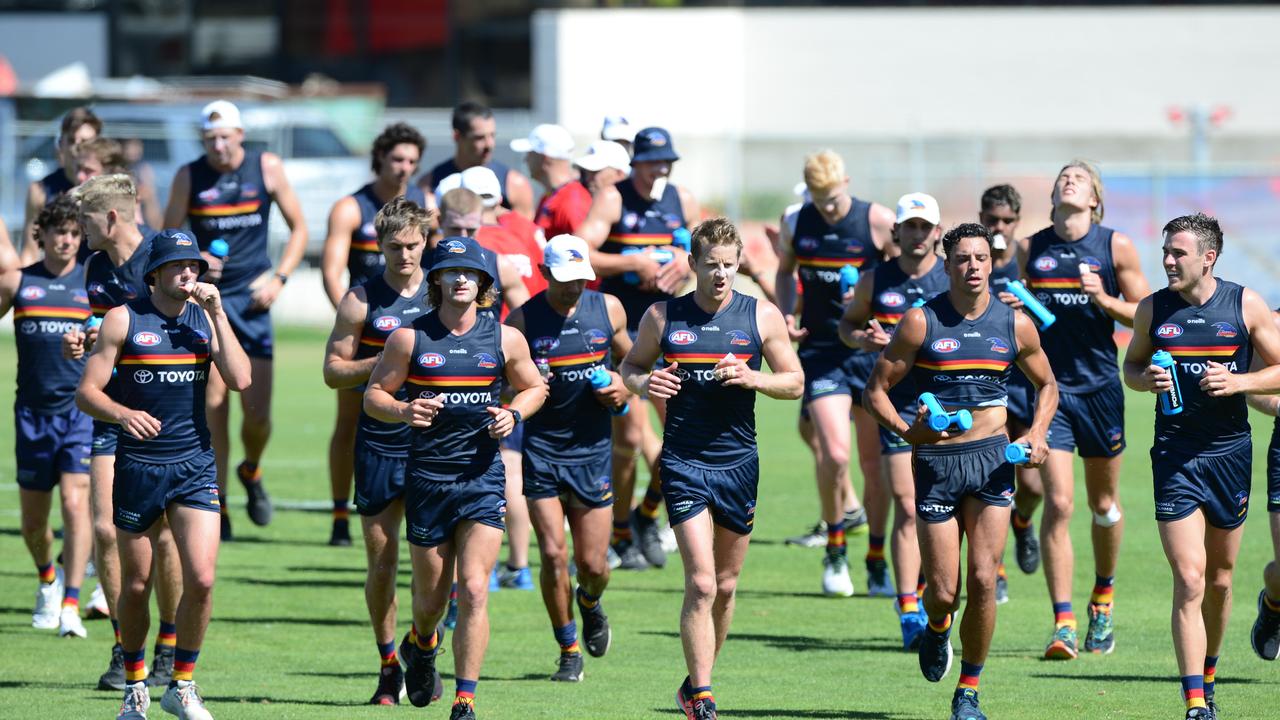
1035	365
1132	283
519	194
853	324
175	214
230	358
91	396
786	382
882	220
514	293
8	255
523	377
620	343
638	363
1139	373
671	277
344	218
388	376
9	282
606	209
1219	381
784	285
891	367
28	252
341	369
1266	404
282	193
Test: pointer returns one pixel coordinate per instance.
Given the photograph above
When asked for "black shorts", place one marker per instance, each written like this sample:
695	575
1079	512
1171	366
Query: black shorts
589	485
105	437
47	446
1184	481
835	370
379	478
252	327
891	443
1092	422
729	492
945	474
432	510
514	441
143	491
1273	469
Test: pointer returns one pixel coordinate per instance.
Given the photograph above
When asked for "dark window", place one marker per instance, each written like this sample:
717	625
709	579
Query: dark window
315	142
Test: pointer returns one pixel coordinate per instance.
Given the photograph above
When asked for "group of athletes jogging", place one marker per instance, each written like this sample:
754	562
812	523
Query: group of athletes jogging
495	363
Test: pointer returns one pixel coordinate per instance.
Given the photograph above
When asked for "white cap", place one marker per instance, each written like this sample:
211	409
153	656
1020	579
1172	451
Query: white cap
550	140
616	127
479	180
918	205
568	259
603	154
228	116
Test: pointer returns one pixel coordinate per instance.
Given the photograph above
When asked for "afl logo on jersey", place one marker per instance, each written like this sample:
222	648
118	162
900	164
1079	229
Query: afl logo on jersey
1225	330
97	288
1044	263
595	336
945	345
892	299
368	230
998	345
737	337
545	344
32	292
456	247
808	243
683	337
1095	265
211	194
386	323
1169	330
146	339
485	361
431	360
630	220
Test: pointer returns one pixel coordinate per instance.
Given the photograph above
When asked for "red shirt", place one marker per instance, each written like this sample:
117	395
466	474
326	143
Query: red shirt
523	228
564	209
524	254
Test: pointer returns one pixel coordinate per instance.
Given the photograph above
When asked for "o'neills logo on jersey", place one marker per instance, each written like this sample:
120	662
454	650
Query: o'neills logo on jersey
485	361
545	344
32	292
683	337
893	299
456	247
146	339
1046	263
1169	330
737	337
595	336
945	345
386	323
431	360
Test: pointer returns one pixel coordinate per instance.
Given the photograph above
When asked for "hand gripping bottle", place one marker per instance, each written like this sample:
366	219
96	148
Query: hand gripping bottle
600	380
1170	402
940	419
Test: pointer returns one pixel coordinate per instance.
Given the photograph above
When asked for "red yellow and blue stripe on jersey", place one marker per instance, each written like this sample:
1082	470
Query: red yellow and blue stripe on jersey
888	318
1058	283
365	245
241	208
586	358
452	381
77	313
165	359
1207	351
701	358
964	364
641	238
828	263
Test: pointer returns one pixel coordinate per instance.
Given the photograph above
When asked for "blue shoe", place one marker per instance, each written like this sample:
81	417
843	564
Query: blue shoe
913	626
964	705
935	654
520	579
451	615
495	583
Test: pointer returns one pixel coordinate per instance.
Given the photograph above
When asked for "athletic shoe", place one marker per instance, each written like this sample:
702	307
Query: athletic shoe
340	534
48	603
596	635
816	537
703	709
1027	548
90	570
1212	708
612	558
494	584
224	521
1101	637
878	582
683	702
964	705
390	685
98	604
935	654
451	615
421	679
1062	646
183	699
1199	713
69	623
648	537
835	575
913	625
113	678
161	667
462	711
520	579
257	502
629	556
668	536
1265	637
1002	589
570	669
855	522
136	703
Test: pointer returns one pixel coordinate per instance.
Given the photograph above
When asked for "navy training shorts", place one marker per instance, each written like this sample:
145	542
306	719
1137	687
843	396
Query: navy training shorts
945	474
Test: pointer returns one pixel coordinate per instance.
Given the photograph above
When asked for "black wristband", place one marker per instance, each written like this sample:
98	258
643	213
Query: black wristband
515	415
282	278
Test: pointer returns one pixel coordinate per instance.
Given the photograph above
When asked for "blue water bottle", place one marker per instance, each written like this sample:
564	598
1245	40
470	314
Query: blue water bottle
1043	317
940	419
682	238
919	303
1170	402
848	278
93	322
1017	453
600	380
219	248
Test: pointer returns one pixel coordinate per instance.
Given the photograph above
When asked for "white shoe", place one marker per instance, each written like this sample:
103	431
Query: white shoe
69	623
98	604
184	701
668	537
136	702
48	603
90	570
835	576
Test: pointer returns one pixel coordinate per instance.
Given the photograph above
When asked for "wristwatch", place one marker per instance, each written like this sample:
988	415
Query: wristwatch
282	278
515	415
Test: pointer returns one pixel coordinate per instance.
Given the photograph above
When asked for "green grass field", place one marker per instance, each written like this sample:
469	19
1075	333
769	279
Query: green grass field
289	636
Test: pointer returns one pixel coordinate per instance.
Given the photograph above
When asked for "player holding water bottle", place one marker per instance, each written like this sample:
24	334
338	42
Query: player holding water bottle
575	336
959	347
1202	459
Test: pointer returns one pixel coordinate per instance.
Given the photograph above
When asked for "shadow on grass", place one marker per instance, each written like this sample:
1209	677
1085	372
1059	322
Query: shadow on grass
1162	679
742	593
319	622
794	713
265	700
301	582
275	541
803	643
